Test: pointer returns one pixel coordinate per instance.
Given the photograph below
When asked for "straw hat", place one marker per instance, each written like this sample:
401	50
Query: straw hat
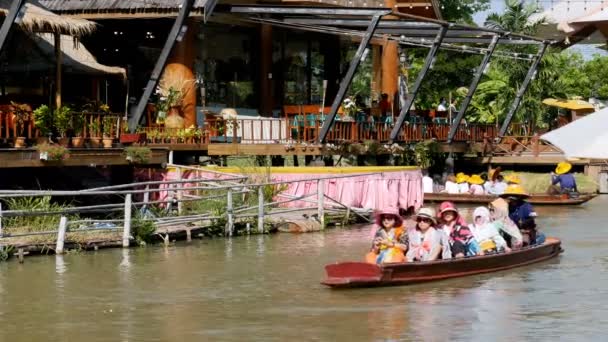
461	178
476	179
446	206
427	212
563	167
515	190
513	179
391	211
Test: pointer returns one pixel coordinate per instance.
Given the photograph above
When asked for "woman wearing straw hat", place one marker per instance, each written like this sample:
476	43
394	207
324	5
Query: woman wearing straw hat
565	179
463	186
476	187
390	241
424	240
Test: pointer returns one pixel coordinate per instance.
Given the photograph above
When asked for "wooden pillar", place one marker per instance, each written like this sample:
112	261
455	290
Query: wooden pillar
58	71
266	98
180	71
390	64
376	72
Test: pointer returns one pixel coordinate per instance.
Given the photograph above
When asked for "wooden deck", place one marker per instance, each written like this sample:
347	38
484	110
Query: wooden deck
15	158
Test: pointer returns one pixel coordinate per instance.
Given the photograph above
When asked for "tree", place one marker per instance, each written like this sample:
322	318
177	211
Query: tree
462	10
516	18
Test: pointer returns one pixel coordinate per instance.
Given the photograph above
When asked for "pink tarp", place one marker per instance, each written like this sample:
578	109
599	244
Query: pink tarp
370	191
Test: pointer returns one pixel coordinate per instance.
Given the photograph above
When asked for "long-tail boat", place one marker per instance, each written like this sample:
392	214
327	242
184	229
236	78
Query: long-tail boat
361	274
537	199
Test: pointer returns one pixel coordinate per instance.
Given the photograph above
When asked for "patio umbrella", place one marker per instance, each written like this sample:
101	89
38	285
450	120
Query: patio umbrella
585	138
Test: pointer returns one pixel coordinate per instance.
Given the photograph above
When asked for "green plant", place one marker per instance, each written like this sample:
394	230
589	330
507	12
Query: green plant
138	154
142	230
21	112
78	123
43	120
26	224
6	252
62	120
94	129
108	126
425	153
52	152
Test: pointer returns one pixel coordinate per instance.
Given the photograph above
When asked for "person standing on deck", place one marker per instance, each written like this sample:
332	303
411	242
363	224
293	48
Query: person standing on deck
565	179
427	182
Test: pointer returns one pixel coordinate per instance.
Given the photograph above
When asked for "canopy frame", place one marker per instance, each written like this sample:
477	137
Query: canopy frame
15	12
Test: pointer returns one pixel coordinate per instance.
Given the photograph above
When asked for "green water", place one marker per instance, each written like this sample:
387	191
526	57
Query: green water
267	288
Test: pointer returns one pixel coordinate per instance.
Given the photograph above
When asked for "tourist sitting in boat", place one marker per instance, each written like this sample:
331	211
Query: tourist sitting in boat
486	234
424	240
476	187
499	186
487	183
562	181
463	186
451	187
390	241
522	214
499	213
461	241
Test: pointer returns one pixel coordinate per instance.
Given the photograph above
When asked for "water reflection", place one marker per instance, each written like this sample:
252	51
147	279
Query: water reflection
266	287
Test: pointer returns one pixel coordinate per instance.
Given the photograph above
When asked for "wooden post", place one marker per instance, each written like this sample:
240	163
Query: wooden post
126	234
21	255
179	192
147	196
261	209
321	202
58	71
63	226
1	220
188	235
229	213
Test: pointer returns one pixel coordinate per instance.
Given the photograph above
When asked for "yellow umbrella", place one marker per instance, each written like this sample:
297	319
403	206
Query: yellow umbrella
568	104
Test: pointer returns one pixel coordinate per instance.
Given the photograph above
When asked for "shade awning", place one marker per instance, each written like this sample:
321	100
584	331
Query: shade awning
35	52
39	19
568	104
584	138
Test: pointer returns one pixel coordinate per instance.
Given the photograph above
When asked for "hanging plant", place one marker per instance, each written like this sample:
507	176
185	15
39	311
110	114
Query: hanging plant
138	154
50	152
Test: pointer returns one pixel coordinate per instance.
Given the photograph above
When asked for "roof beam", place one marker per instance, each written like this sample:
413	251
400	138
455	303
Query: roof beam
472	88
15	13
177	31
430	58
345	83
286	10
522	89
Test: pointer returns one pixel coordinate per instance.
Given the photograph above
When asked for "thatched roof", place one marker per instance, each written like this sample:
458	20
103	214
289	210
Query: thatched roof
109	8
39	19
35	52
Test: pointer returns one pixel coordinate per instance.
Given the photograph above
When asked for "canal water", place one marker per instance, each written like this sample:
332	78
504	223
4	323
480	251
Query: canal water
267	288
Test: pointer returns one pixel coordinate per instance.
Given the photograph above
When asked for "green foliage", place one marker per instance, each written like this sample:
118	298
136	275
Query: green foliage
62	120
78	123
43	120
515	18
142	230
21	112
6	252
22	224
462	10
138	154
426	153
108	125
53	152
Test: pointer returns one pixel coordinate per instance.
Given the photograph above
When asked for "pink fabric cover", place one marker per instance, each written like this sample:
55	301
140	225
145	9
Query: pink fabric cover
400	189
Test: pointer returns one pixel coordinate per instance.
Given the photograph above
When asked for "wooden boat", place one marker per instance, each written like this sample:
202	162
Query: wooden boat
538	199
360	274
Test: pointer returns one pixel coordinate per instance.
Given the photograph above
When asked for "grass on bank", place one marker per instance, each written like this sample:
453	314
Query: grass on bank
540	182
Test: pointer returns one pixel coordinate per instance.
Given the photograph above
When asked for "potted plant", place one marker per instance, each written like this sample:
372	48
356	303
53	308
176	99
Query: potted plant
138	154
62	121
126	137
21	115
108	129
94	133
43	121
78	128
170	94
350	109
52	152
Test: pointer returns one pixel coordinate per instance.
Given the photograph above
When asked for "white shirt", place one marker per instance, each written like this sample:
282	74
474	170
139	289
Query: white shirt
499	188
451	188
427	184
487	187
463	188
488	231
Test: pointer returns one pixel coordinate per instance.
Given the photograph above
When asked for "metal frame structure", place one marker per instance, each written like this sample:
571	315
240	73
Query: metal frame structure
177	31
405	28
13	16
472	88
430	57
522	89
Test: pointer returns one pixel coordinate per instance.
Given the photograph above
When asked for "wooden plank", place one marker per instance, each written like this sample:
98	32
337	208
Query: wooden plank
259	150
89	157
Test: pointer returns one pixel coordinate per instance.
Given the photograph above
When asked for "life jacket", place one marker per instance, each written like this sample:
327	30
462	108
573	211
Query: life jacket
394	235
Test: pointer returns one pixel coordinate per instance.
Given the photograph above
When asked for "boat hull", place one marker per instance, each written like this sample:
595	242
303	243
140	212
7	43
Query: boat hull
536	199
359	274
